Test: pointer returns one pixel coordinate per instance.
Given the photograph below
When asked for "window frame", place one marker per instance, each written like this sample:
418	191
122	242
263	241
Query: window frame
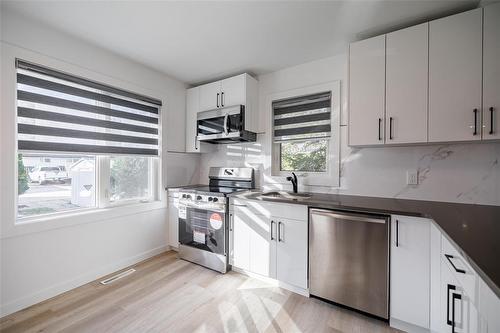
102	206
329	178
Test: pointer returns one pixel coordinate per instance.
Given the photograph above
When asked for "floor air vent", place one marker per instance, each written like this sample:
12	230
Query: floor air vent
117	276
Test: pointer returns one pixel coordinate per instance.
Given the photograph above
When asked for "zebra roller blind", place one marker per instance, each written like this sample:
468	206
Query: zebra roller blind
58	112
306	117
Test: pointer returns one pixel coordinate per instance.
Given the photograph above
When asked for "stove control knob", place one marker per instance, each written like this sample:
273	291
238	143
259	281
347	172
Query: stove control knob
189	196
210	198
215	200
184	196
198	197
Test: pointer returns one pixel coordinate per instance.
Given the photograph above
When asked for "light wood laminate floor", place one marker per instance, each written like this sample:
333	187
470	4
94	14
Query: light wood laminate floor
166	294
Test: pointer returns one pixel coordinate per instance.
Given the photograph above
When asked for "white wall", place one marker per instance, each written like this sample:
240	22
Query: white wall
468	173
42	259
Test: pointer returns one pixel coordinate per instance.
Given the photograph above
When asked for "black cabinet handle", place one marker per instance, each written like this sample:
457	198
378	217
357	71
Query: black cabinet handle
222	99
450	287
379	125
491	119
475	122
195	143
217	99
458	270
397	233
279	232
453	299
390	128
272	222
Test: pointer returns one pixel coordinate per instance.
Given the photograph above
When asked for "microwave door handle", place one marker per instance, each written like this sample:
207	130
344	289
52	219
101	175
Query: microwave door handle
226	132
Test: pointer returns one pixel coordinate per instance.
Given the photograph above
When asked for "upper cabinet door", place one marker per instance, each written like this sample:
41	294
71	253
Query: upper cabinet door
491	72
210	95
406	85
233	91
367	91
455	67
192	106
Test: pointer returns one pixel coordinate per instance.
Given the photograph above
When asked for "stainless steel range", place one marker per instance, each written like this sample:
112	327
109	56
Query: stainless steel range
203	217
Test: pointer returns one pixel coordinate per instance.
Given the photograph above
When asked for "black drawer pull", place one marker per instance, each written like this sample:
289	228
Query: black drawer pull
458	270
450	287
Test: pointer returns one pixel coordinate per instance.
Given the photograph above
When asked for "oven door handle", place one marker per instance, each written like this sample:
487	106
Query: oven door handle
226	117
217	210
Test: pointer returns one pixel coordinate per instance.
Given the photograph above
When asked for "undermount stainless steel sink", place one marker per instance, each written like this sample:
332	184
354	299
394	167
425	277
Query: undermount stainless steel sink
285	195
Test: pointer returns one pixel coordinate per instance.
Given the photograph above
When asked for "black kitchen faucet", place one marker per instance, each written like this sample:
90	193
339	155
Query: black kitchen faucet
294	181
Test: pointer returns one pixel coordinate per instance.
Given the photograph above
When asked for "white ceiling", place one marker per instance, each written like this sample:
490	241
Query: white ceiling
201	41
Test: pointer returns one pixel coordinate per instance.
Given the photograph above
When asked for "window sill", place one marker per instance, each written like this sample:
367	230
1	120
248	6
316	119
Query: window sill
44	223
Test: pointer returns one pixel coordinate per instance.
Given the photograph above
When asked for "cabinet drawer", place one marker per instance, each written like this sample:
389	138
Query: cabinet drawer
268	209
460	269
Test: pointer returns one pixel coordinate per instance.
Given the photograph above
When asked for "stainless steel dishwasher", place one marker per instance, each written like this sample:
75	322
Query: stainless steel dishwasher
349	260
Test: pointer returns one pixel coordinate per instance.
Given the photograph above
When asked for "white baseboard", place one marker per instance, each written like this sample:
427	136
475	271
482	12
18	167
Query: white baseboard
274	282
407	327
62	287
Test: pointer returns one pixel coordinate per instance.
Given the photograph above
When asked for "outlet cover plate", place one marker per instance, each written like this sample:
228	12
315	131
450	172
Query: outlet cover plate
412	177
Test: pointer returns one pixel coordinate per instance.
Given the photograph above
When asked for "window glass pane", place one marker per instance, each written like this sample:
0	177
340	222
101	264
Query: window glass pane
129	177
55	183
308	156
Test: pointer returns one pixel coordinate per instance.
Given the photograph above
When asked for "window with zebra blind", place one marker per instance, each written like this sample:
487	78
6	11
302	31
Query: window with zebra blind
82	144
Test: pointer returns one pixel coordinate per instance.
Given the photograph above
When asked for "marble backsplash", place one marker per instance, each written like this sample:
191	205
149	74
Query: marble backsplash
465	173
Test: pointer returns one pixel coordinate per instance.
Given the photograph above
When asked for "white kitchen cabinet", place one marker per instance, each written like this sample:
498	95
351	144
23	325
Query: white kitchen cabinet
455	74
240	240
458	313
233	90
210	96
491	72
173	220
192	107
410	270
254	247
489	309
268	245
367	91
406	85
237	90
291	253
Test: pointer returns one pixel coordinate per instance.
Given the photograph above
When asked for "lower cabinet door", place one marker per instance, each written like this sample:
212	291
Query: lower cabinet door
241	240
291	252
254	245
263	246
410	265
173	222
458	313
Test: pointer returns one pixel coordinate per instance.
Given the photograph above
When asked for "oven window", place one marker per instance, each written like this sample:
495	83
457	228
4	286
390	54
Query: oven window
203	229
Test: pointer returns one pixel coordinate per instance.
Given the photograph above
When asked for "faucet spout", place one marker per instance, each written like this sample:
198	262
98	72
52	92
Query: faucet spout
294	181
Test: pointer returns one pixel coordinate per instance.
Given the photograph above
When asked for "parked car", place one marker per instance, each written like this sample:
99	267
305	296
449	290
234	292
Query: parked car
43	174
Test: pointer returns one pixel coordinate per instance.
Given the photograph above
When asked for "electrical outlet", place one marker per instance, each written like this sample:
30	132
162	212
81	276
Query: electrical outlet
412	177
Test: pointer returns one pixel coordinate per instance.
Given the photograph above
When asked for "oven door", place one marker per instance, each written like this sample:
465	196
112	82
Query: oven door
220	123
203	229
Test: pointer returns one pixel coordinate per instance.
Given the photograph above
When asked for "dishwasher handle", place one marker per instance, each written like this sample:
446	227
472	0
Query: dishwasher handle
350	217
